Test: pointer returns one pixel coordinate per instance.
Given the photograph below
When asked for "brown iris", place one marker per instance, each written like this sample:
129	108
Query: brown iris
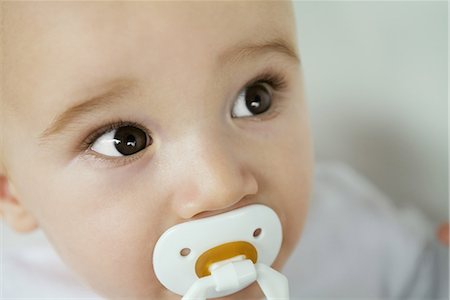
257	99
130	140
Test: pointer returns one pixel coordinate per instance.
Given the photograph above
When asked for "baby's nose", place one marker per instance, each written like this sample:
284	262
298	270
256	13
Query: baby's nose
214	177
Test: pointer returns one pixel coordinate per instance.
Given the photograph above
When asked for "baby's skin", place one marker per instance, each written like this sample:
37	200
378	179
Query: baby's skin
121	119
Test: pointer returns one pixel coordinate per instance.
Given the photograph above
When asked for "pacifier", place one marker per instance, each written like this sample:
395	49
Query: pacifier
220	255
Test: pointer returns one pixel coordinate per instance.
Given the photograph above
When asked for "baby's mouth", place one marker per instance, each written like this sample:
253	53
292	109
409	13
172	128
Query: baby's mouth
240	204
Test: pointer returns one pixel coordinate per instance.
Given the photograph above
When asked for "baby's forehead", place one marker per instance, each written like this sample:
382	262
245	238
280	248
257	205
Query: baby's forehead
64	47
39	20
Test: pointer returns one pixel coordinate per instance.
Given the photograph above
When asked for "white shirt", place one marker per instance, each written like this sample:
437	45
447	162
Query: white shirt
355	244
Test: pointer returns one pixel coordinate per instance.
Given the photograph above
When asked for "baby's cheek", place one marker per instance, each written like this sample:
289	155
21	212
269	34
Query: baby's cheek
293	180
110	247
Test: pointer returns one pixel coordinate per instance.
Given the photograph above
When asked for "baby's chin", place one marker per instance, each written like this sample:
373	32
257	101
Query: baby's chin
252	292
156	291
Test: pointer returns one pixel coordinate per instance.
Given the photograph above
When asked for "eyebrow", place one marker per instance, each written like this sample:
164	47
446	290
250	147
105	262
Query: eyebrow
233	55
244	50
100	101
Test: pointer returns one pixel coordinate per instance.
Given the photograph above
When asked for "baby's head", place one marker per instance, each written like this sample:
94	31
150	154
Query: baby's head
120	120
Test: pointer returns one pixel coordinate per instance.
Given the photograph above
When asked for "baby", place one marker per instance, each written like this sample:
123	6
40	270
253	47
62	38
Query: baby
122	119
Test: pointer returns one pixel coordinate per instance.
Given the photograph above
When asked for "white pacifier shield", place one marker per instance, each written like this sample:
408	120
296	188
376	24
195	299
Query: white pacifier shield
177	272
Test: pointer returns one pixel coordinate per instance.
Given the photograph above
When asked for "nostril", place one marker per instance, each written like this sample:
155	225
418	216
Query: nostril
185	252
257	232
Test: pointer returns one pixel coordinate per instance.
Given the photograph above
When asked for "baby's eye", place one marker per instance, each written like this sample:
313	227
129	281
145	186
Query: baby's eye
253	100
121	141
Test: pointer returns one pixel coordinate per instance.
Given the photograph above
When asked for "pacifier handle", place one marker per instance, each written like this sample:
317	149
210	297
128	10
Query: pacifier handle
273	284
236	274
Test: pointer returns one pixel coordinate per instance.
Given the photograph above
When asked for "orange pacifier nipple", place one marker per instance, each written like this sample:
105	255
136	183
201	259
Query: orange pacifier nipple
222	254
213	258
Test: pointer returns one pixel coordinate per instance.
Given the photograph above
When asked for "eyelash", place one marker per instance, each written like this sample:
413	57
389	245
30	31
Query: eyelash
276	80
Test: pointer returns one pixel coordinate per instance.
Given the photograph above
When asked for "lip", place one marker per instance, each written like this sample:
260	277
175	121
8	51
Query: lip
242	203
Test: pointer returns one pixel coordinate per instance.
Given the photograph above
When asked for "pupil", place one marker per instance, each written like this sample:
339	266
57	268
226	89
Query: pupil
257	99
256	103
130	140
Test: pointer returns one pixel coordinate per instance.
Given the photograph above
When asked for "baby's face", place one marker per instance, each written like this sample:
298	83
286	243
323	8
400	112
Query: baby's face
124	119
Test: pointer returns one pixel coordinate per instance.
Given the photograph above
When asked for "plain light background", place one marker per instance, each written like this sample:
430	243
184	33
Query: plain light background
376	83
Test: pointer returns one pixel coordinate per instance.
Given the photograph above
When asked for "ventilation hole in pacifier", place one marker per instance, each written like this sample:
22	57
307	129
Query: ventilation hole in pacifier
257	232
185	252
